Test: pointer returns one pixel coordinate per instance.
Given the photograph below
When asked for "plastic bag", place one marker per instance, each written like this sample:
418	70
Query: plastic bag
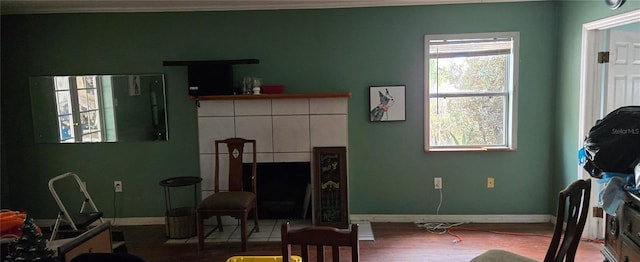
613	144
612	190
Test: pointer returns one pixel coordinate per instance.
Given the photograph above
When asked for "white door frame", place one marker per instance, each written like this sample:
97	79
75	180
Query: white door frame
590	95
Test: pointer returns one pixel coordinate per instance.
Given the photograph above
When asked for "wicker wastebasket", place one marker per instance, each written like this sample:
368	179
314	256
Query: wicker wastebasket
180	222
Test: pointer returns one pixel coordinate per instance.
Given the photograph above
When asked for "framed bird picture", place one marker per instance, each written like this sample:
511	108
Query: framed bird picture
387	103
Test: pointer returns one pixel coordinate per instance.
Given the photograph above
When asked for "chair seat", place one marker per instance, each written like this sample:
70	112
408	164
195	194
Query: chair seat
496	255
235	202
228	201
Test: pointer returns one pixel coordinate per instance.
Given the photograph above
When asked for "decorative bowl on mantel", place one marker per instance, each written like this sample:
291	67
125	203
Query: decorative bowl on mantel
272	89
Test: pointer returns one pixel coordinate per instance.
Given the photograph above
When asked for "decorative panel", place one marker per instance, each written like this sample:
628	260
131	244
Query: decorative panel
330	186
634	96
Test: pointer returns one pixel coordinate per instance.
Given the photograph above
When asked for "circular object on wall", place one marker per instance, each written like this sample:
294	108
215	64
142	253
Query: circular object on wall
613	4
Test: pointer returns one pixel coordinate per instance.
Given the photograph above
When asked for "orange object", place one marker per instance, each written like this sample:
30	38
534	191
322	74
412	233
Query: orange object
11	222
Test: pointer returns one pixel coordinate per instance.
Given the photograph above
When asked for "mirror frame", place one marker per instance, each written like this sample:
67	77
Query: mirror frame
99	108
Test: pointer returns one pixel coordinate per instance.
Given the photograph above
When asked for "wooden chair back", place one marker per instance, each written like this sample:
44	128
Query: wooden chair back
235	150
563	246
320	237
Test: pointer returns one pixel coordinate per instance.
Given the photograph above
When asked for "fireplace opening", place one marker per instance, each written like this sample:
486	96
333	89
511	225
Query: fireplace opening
282	189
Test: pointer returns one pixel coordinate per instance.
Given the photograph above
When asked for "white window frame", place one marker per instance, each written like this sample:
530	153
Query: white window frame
512	97
71	88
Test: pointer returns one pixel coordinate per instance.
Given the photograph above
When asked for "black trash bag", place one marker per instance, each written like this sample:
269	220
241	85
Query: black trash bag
613	144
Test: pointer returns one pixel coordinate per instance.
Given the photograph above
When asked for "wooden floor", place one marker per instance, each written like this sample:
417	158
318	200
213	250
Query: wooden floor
393	242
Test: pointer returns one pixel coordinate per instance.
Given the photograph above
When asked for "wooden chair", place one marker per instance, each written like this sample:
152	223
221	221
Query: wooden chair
236	202
562	247
320	236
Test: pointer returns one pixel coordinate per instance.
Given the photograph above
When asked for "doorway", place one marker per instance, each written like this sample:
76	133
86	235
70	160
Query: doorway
604	87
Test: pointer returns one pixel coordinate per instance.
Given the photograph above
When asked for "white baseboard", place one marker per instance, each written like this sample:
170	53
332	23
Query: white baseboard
124	221
142	221
415	218
533	218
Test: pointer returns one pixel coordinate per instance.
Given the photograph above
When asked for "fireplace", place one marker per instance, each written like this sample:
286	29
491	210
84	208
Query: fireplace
286	129
282	189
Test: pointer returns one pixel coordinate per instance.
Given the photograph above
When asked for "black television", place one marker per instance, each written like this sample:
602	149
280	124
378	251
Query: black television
211	77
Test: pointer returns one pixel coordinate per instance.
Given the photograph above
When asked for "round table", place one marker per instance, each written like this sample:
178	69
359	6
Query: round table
184	216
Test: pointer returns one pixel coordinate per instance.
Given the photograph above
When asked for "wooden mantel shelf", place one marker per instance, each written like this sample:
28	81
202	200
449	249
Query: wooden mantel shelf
275	96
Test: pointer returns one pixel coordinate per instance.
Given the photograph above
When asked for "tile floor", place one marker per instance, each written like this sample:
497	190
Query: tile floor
269	232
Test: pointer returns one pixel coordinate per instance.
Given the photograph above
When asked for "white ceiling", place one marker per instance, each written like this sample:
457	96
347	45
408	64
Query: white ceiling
93	6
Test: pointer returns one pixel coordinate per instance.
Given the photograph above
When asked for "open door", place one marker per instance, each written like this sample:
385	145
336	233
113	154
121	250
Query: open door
610	78
622	83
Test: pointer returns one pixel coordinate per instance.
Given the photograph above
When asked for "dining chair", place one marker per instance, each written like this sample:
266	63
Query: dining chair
235	202
564	242
320	237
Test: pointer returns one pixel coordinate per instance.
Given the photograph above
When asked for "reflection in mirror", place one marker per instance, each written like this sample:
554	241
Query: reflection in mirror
98	108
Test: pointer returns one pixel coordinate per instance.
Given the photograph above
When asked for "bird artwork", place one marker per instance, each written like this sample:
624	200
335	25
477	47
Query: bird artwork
380	112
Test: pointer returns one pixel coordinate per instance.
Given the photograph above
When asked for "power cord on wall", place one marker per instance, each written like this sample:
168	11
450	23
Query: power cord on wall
115	210
599	241
440	203
441	227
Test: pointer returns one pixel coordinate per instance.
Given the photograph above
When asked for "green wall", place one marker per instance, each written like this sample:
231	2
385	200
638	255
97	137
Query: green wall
572	15
308	51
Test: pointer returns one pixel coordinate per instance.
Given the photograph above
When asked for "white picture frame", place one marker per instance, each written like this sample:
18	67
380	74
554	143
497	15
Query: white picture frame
386	103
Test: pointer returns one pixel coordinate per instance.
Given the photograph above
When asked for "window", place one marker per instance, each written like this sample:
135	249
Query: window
470	91
79	114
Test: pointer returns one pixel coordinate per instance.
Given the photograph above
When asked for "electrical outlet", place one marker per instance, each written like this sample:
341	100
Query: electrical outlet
490	182
117	186
437	183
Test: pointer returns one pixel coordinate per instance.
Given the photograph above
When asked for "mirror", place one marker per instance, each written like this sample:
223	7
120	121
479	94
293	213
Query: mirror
98	108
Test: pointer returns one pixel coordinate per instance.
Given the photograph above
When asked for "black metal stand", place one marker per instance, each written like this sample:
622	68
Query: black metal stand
185	214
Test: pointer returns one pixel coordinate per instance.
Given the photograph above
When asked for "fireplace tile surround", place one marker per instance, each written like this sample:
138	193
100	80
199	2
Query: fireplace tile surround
285	130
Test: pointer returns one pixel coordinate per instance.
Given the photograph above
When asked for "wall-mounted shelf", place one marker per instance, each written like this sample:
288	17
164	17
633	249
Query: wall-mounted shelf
210	77
210	62
275	96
